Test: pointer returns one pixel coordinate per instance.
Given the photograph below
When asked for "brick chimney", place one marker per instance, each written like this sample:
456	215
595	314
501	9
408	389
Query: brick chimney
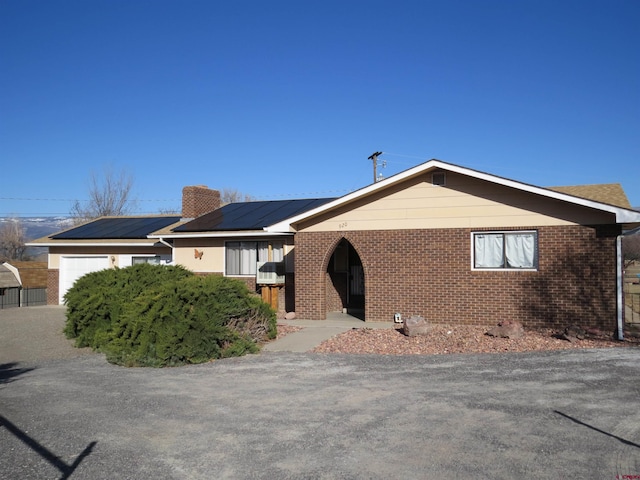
198	200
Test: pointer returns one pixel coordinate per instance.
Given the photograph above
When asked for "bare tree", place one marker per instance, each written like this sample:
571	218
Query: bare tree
232	195
631	249
110	194
12	240
169	211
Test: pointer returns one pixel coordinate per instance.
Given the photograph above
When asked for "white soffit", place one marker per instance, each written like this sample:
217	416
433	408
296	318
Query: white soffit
88	244
224	234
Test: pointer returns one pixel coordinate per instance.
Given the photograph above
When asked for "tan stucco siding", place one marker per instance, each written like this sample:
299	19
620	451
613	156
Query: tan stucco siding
213	252
463	203
212	260
118	253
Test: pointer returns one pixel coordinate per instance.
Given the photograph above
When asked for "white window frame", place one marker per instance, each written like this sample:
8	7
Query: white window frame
137	259
259	254
505	268
126	260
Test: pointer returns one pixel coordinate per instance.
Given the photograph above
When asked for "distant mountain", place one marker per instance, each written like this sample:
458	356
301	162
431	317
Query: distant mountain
37	227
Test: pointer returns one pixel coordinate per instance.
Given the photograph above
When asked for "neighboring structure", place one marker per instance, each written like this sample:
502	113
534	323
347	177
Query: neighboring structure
9	286
31	274
33	279
445	242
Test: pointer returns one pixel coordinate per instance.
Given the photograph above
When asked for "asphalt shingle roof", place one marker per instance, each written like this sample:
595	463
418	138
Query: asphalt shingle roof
609	193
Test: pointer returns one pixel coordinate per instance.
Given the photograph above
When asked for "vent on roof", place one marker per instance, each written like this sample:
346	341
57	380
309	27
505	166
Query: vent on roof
270	273
438	179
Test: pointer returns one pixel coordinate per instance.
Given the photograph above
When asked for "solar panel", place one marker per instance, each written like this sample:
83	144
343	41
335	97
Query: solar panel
250	215
117	227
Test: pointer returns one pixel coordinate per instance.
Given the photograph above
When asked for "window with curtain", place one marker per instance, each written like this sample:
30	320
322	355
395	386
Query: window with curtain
242	257
505	250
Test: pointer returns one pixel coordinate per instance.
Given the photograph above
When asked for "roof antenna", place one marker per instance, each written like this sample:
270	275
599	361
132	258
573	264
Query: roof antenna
374	158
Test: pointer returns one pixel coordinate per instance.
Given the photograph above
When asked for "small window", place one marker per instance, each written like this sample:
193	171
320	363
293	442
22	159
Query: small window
505	250
152	260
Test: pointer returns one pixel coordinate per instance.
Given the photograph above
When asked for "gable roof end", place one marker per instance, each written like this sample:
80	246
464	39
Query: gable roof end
625	216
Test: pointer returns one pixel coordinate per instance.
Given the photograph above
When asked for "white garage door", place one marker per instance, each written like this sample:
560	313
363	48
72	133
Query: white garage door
72	268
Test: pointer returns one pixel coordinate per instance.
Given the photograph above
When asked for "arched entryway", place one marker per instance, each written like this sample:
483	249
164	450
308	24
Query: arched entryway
345	281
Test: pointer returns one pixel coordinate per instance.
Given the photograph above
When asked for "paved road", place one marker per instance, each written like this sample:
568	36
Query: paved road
567	414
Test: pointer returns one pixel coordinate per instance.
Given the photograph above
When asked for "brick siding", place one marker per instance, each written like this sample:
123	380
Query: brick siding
53	287
428	273
250	281
198	200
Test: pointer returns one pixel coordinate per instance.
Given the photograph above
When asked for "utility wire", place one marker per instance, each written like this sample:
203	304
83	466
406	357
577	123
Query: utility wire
177	200
82	200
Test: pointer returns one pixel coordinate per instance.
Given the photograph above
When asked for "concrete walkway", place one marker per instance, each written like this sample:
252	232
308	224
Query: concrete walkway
314	332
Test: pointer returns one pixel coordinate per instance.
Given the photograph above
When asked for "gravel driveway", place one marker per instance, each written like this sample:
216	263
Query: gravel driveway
566	414
34	334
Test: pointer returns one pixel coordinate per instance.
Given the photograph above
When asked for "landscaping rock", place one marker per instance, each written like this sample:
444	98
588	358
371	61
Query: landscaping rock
290	315
507	329
573	333
415	325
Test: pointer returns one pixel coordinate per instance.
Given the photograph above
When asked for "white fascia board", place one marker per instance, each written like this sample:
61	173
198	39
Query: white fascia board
622	215
628	216
222	235
81	244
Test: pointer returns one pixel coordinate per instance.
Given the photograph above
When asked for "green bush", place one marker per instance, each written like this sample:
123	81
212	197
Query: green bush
190	321
165	316
97	299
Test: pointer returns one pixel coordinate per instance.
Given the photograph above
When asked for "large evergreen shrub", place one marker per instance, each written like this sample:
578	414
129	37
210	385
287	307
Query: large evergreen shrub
190	321
96	300
149	315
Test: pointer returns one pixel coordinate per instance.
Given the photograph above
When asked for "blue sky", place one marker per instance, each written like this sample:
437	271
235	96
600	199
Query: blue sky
287	99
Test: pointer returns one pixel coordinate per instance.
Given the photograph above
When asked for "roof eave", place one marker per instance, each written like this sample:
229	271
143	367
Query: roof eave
622	215
143	243
222	234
